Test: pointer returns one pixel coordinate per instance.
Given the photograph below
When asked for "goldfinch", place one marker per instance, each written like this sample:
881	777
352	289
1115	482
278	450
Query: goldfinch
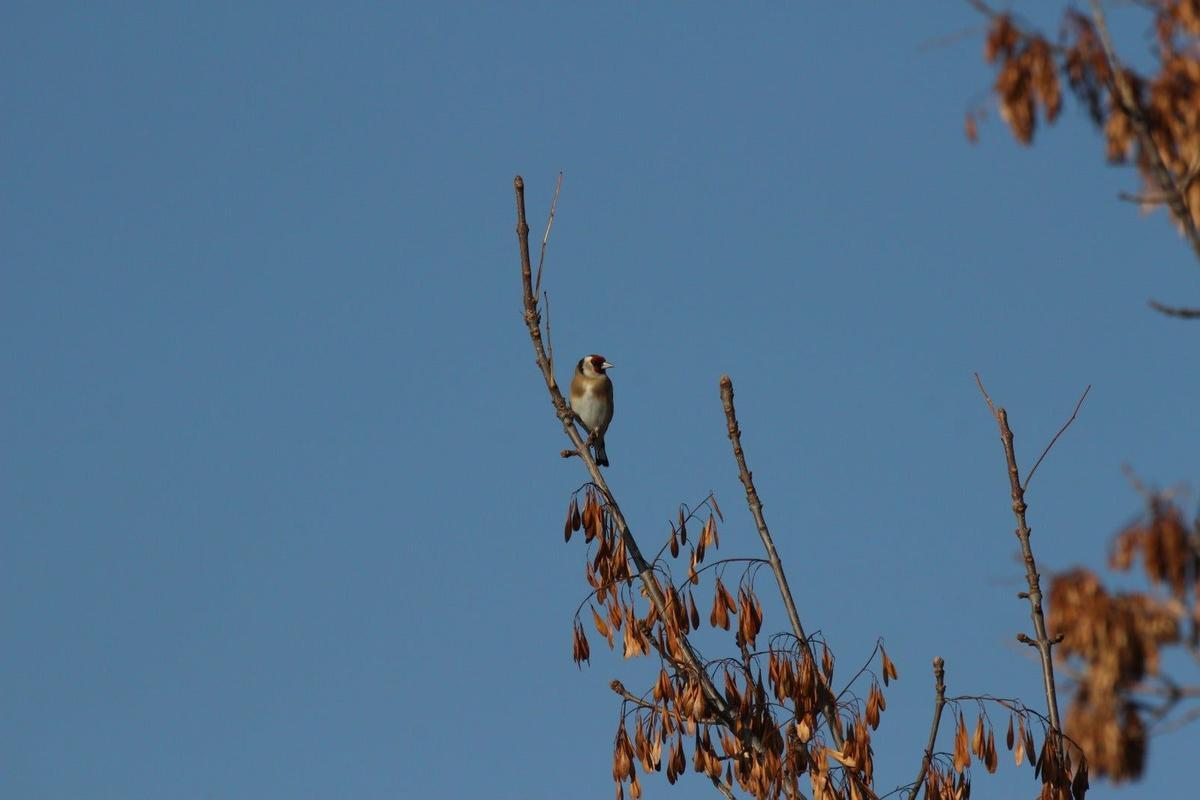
592	401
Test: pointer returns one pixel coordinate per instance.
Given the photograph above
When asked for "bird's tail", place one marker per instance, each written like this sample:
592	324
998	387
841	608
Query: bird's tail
601	456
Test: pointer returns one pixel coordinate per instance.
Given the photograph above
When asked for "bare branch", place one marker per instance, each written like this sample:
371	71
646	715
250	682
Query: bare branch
939	702
1023	532
1061	430
752	499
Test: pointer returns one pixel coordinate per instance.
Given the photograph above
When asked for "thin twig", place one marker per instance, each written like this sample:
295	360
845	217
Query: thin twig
1129	104
549	339
1066	425
939	702
756	506
1023	532
1174	311
1141	199
866	666
1177	723
948	39
537	286
991	406
645	571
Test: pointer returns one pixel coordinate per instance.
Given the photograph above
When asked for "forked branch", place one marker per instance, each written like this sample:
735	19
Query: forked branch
1042	641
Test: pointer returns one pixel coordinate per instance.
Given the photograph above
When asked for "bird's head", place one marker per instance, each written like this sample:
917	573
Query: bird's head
593	365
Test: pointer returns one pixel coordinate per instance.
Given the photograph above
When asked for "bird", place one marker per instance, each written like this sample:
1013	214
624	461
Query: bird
592	401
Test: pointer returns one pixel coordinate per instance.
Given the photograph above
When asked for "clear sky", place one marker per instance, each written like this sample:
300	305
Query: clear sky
280	493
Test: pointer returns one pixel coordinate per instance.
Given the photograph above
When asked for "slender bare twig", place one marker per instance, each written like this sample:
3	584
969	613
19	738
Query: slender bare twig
645	572
866	666
1023	532
722	788
947	39
549	338
1124	94
939	702
756	506
537	286
1141	199
1061	430
1174	311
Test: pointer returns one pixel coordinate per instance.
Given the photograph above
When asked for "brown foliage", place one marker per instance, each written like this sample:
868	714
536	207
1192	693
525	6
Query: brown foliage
1029	72
771	735
1119	637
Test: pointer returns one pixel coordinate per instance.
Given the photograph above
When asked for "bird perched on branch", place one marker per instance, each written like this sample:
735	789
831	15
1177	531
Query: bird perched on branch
592	401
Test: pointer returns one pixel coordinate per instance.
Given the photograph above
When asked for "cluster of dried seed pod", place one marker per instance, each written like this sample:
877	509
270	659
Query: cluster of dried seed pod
764	730
1027	79
1117	638
1058	763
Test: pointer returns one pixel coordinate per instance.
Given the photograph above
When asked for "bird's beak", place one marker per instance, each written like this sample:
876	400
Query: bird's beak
606	365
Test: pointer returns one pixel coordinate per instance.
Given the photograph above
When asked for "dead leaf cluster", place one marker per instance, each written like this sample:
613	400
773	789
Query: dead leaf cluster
766	730
1030	70
1064	776
1118	638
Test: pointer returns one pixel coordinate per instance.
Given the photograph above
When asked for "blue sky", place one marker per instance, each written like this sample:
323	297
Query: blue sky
280	487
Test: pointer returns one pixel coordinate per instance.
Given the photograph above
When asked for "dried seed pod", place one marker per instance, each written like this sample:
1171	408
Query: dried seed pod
580	651
889	669
962	753
569	525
